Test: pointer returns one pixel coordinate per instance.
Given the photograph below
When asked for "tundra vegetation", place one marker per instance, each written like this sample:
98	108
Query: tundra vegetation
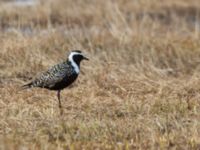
140	89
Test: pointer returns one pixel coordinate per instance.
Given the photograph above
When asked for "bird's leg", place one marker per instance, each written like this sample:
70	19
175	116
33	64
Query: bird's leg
60	106
58	95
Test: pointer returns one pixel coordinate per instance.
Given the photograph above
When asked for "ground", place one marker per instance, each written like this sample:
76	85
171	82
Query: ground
140	89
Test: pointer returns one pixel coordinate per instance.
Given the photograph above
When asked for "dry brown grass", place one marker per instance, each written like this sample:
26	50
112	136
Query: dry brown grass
140	89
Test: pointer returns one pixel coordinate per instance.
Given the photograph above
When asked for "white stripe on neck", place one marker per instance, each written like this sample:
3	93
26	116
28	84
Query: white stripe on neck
75	66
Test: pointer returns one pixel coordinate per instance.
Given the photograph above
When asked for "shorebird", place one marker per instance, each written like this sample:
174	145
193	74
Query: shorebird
59	76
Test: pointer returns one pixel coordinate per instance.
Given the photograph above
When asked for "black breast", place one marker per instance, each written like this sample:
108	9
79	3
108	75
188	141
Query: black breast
65	82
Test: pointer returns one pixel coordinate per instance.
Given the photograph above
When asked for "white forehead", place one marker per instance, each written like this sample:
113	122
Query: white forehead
74	53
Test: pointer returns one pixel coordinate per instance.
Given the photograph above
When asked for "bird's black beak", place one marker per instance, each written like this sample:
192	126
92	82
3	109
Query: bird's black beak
84	57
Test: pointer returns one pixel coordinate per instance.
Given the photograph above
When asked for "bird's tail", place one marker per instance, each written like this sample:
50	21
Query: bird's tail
26	86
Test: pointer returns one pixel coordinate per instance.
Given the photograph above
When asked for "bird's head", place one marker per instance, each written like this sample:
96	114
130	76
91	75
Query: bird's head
76	56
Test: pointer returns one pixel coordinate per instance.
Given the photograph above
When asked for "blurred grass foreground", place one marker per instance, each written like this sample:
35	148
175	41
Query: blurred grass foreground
140	89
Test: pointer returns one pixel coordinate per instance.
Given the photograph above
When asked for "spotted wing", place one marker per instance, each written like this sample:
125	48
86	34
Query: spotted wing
54	75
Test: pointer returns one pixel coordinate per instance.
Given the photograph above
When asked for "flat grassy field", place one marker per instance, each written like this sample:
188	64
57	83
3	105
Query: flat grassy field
140	89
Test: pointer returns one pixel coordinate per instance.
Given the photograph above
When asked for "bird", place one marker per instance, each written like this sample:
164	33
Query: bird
59	76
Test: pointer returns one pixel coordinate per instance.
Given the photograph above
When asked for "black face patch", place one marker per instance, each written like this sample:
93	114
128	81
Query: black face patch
77	58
